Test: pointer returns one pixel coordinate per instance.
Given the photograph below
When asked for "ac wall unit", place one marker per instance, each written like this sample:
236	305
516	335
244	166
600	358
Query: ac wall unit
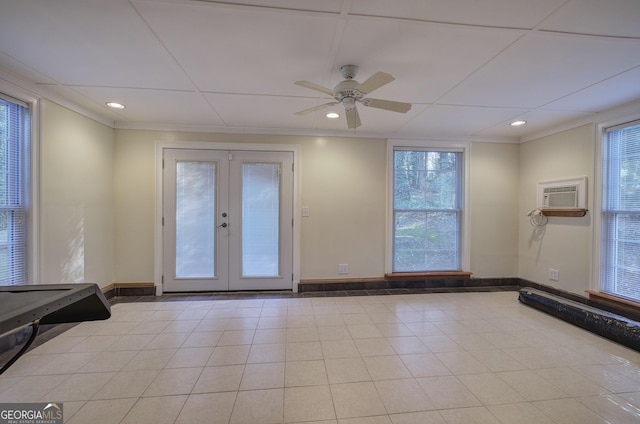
560	197
563	194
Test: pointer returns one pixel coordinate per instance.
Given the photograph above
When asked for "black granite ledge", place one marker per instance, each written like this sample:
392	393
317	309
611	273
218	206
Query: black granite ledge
130	291
288	294
429	283
614	327
635	316
308	288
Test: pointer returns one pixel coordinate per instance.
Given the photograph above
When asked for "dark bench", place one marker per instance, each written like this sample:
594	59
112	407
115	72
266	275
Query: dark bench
606	324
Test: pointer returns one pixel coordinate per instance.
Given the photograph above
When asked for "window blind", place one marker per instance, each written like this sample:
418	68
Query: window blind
621	211
14	136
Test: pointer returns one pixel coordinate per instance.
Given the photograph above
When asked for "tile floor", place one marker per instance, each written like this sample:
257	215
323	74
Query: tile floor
400	359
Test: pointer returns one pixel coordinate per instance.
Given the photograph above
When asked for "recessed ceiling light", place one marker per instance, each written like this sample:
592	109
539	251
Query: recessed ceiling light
518	123
115	105
332	115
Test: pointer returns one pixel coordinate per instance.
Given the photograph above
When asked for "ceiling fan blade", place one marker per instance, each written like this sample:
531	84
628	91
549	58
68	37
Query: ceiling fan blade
387	105
353	118
316	87
374	82
313	109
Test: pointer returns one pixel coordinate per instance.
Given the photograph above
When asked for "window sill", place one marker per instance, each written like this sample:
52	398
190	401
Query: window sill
610	299
427	275
570	212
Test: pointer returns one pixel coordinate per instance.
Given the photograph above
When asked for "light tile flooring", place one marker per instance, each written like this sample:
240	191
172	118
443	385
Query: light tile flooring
400	359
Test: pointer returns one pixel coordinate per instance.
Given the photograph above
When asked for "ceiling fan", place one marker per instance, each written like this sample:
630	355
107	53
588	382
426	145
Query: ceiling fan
349	92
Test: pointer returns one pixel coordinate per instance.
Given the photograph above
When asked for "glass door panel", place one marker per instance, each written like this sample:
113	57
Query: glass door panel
260	219
261	245
195	219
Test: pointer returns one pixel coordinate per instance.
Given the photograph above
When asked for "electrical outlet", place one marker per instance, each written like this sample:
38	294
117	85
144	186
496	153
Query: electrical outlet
343	268
554	274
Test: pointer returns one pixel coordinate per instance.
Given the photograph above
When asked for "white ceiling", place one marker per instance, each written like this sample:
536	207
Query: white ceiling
468	67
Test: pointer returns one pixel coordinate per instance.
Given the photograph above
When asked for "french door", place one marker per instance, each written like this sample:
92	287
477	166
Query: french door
227	220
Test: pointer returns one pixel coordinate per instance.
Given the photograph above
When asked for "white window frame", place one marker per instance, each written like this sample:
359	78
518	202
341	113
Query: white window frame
32	194
596	282
465	232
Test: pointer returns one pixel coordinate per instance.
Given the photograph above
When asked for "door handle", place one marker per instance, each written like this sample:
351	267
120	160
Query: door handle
223	225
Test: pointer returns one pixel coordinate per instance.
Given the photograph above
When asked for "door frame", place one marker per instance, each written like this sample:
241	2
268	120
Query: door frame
160	146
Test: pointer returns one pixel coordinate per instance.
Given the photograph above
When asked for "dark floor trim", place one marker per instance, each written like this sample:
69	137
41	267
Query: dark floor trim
379	286
129	290
390	284
287	294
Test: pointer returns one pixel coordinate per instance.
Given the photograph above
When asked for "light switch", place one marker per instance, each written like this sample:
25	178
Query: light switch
305	211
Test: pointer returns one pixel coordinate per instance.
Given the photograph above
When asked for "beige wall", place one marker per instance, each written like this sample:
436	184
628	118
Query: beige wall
494	209
98	199
343	182
564	243
76	200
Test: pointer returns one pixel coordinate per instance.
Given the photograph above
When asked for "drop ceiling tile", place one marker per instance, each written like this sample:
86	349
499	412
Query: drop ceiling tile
426	59
503	13
329	6
610	93
88	43
459	120
68	96
228	49
618	18
157	106
537	122
9	64
541	68
261	111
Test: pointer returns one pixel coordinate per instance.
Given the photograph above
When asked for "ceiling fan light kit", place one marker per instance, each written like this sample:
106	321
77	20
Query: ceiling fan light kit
349	92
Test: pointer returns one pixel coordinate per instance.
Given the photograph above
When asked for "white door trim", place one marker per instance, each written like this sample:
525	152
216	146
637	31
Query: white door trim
205	145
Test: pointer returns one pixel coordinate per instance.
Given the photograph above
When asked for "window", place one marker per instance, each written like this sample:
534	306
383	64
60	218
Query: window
427	210
620	250
14	143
